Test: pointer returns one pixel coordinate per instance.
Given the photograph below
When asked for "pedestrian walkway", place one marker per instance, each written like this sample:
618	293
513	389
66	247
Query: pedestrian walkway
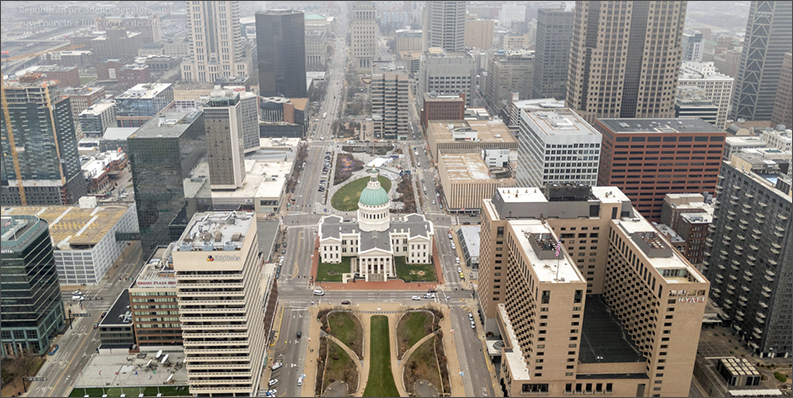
393	284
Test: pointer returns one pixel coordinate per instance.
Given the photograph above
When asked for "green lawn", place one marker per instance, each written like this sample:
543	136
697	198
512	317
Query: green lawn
323	268
168	391
423	365
340	367
345	327
412	272
381	379
412	328
346	198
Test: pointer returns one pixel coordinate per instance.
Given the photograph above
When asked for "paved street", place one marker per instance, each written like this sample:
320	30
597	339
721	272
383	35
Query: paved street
81	341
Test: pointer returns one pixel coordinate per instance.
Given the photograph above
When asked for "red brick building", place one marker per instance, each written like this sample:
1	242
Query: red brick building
694	229
649	158
442	107
133	74
67	76
108	70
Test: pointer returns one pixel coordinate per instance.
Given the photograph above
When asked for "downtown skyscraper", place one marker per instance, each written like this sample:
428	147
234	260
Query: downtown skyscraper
281	53
625	58
444	25
552	54
216	45
768	38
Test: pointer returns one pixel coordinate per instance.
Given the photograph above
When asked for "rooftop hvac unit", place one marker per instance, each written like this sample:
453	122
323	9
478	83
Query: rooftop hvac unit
229	246
185	247
207	247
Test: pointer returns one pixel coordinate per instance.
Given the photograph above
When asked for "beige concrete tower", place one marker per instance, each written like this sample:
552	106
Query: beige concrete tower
363	35
625	58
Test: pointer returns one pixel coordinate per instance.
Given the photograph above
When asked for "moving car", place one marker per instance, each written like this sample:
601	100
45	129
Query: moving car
345	302
417	298
299	334
429	296
318	292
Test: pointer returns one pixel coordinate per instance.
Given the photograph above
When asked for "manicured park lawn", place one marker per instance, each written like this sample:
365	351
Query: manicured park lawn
346	198
414	272
346	327
412	328
340	268
381	379
132	391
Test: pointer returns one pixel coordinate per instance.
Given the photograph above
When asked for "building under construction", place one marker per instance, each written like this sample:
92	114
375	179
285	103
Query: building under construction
40	161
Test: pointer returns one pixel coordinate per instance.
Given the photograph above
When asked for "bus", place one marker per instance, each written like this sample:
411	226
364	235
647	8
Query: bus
324	115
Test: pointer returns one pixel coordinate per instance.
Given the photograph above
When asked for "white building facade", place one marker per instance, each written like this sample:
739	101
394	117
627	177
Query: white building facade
556	146
374	241
718	87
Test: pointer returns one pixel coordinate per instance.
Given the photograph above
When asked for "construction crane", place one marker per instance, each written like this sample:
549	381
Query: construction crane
9	128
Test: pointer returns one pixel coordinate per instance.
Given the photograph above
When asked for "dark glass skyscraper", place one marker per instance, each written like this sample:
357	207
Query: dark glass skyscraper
42	134
168	158
281	49
554	33
768	38
32	307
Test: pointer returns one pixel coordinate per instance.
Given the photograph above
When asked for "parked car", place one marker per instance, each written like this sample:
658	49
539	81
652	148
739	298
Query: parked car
272	382
460	270
271	393
345	302
277	366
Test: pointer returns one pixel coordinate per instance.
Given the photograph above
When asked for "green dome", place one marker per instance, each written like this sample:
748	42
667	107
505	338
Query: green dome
373	197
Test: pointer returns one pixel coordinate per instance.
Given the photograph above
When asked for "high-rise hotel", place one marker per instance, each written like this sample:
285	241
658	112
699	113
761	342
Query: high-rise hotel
616	311
218	271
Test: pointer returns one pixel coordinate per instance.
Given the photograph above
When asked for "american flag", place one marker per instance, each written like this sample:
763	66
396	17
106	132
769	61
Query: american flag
558	248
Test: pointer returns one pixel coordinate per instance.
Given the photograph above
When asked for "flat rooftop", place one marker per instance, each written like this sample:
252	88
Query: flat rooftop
98	108
603	340
262	179
660	125
536	195
211	231
485	130
560	122
144	91
71	226
171	122
110	363
683	271
698	218
117	314
540	103
158	272
471	238
465	167
18	230
119	133
555	270
430	97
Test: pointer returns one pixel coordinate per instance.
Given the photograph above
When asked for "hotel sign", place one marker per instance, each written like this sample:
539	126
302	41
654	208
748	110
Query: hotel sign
691	299
223	258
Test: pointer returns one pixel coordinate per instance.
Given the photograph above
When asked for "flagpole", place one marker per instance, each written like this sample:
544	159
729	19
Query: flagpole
140	392
84	392
102	380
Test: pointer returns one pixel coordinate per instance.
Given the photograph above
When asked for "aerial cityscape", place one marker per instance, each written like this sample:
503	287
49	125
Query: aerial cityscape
396	198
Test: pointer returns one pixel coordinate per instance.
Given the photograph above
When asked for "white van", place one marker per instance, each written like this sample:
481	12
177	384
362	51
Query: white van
299	381
318	292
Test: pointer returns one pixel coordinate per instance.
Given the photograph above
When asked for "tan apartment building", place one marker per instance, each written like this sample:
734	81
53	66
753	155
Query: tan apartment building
218	271
629	65
466	180
624	306
457	136
408	40
154	304
479	33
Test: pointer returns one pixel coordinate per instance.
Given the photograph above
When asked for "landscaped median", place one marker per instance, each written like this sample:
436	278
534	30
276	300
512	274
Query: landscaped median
381	379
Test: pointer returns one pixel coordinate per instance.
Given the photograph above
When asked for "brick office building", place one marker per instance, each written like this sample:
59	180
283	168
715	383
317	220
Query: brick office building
649	158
